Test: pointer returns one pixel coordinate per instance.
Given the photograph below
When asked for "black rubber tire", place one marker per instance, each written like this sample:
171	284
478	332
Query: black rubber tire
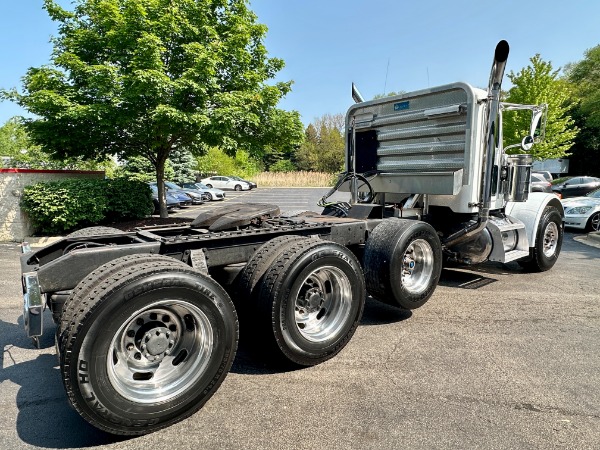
383	262
237	187
247	285
593	223
537	260
209	186
287	276
89	283
211	198
94	231
253	272
111	298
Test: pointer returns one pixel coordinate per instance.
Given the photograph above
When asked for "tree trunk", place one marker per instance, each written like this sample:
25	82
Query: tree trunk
160	183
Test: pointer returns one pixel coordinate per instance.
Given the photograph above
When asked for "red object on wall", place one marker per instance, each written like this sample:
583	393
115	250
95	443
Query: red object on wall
88	172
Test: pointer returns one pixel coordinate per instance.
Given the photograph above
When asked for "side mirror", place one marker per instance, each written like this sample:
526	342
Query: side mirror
527	143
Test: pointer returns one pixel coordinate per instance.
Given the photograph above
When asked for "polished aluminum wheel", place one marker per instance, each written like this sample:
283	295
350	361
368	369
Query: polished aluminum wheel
595	222
550	239
417	266
160	351
323	304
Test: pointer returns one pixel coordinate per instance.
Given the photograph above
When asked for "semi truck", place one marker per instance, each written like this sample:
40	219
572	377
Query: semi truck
147	322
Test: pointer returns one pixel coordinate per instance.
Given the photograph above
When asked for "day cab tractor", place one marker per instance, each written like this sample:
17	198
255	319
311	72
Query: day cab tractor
147	321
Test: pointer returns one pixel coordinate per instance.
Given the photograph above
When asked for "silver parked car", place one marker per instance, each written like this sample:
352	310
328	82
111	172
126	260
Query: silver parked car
583	212
197	197
211	193
540	184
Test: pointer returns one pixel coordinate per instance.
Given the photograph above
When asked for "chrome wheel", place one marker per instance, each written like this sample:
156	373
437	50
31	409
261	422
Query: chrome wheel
595	222
323	304
160	351
550	239
417	266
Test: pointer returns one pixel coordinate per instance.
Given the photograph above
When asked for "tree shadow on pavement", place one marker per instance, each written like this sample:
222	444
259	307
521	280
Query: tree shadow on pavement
44	417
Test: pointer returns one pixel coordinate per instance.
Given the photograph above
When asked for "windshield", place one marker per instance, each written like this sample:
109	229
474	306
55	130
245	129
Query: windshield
171	185
201	186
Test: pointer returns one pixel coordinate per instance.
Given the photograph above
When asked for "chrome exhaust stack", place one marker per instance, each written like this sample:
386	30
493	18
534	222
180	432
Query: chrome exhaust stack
492	137
492	132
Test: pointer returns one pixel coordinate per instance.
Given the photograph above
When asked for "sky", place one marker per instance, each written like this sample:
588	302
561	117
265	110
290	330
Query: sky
381	45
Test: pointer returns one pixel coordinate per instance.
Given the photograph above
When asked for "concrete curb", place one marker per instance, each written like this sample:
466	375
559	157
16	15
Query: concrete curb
591	239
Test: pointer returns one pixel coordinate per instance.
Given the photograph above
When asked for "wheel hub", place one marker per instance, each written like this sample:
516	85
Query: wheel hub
314	300
156	342
159	351
417	266
322	303
550	239
151	336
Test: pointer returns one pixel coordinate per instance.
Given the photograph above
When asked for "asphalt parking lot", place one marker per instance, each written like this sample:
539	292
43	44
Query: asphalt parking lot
497	358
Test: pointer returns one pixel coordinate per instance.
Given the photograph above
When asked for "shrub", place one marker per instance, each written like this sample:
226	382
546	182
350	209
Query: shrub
128	199
283	165
59	206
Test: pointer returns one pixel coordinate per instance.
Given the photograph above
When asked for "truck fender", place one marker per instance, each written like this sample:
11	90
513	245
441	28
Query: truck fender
530	212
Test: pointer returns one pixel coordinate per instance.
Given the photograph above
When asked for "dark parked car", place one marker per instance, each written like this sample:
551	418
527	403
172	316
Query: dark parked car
197	197
251	183
183	198
172	202
577	186
540	184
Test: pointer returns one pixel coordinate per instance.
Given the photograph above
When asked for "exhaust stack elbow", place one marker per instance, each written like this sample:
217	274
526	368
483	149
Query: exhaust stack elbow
356	96
498	66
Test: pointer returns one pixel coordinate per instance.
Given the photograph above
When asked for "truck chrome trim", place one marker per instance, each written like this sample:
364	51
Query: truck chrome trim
33	305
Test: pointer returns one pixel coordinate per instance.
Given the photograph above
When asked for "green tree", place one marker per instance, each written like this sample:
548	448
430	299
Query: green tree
184	166
145	77
139	168
535	84
323	146
17	150
584	77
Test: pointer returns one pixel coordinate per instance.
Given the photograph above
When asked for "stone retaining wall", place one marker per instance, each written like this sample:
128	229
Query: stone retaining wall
14	222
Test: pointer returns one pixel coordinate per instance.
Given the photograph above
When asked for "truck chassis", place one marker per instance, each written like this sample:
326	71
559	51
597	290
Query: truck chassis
148	322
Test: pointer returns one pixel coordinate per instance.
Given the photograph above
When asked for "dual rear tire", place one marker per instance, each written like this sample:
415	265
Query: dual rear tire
144	342
305	298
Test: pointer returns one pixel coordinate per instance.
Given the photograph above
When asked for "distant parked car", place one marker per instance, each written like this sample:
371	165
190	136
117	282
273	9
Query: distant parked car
183	198
577	186
172	202
222	182
197	197
251	183
583	212
544	173
211	193
540	184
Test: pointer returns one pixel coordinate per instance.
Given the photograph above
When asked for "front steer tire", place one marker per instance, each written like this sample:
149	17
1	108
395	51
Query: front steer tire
147	346
548	242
